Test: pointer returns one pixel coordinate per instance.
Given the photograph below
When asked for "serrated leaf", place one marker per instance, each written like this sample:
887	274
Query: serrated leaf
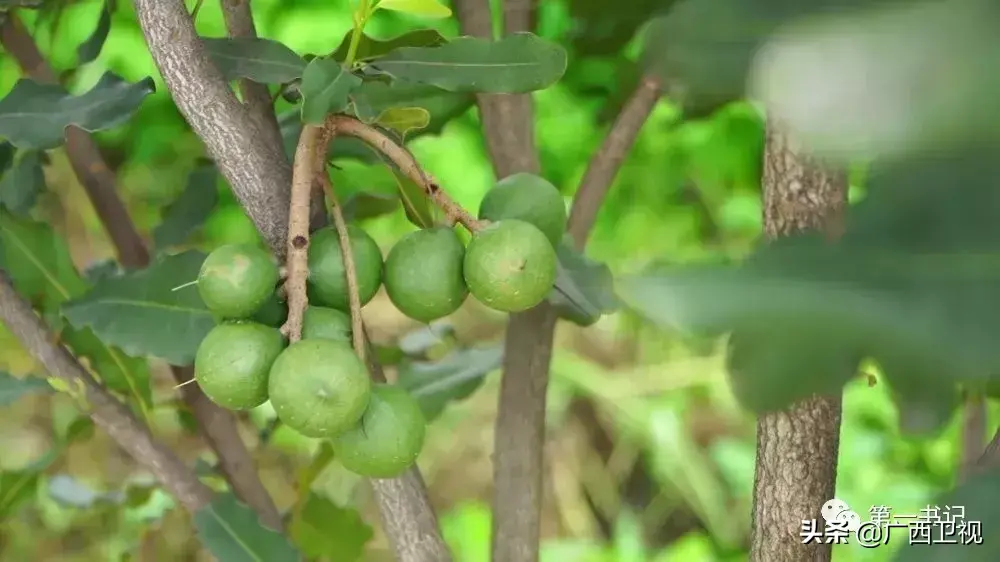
262	60
517	63
121	373
425	8
13	388
35	115
38	262
404	119
584	289
23	182
232	532
190	210
325	89
369	49
455	377
142	314
322	529
91	48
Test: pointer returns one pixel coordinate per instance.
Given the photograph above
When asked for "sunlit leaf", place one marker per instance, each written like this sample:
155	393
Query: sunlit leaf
425	8
35	115
142	313
518	63
404	119
373	98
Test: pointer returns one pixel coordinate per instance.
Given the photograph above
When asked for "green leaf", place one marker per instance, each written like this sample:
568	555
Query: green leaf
21	184
142	313
404	119
91	48
599	31
373	98
425	8
418	208
325	89
232	532
369	49
518	63
322	529
584	289
13	388
455	377
190	210
19	486
38	262
974	508
262	60
127	375
363	205
35	115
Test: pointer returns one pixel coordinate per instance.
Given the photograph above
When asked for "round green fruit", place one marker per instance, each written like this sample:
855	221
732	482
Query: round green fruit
233	361
327	280
329	323
235	280
388	439
273	312
319	387
510	265
423	274
529	198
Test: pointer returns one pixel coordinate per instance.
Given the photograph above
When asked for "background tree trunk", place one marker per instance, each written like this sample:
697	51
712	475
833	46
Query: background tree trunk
797	448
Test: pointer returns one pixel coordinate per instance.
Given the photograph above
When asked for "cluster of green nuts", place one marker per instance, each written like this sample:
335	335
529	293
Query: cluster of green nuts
318	386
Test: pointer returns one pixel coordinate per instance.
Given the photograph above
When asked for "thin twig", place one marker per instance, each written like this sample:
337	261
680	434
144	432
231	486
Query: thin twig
607	161
309	158
216	425
256	98
990	458
108	413
358	335
407	164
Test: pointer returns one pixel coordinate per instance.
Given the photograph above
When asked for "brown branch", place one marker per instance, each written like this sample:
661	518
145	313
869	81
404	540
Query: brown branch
407	164
508	120
108	413
607	161
973	435
256	98
309	162
256	169
990	458
216	425
359	337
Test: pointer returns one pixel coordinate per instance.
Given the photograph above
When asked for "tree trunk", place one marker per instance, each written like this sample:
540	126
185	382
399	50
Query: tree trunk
797	448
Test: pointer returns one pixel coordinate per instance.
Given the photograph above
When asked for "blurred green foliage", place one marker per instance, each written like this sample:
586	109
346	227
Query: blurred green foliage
689	191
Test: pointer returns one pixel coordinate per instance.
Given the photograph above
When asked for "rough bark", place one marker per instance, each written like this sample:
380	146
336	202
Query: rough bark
108	413
216	425
257	171
797	448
